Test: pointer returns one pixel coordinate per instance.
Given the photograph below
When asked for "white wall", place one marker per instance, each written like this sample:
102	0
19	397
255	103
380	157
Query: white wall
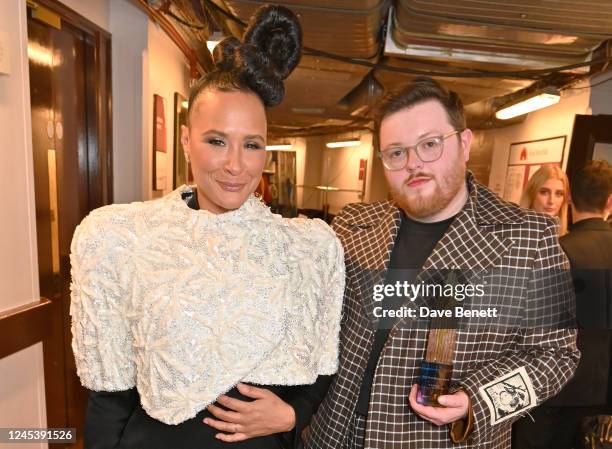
22	395
22	392
129	28
556	120
308	197
145	62
96	11
299	146
166	72
339	167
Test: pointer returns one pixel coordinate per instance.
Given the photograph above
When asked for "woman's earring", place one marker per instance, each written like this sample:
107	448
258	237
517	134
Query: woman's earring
187	157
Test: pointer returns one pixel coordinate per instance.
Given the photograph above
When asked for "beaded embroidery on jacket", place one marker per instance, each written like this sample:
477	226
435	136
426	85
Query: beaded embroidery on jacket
184	304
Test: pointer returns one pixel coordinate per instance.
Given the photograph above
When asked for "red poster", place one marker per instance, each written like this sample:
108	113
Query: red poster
362	168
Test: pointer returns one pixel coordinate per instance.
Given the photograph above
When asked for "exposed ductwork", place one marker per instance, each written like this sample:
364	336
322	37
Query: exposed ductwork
515	33
375	50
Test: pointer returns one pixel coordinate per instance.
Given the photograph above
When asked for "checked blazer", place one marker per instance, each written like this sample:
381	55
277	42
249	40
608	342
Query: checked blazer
517	253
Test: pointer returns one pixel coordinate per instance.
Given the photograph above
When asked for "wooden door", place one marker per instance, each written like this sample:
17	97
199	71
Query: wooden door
70	139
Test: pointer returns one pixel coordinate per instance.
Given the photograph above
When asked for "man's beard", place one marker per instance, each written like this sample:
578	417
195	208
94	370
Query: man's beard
418	205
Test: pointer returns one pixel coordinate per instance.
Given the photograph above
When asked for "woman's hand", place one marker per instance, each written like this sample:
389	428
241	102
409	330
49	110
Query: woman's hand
266	415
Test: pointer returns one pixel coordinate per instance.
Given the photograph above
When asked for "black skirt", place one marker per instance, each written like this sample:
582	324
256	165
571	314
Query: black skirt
143	432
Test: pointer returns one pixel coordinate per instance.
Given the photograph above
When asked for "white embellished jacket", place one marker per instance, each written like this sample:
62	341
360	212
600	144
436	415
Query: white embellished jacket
184	304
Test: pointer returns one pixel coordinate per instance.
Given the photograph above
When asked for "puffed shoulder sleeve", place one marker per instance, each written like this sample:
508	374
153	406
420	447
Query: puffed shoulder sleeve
101	338
331	263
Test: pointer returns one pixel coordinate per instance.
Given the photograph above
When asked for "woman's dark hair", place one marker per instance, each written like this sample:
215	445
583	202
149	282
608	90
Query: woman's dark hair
269	51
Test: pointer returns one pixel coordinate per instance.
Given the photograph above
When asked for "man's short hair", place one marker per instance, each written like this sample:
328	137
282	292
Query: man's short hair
419	90
591	186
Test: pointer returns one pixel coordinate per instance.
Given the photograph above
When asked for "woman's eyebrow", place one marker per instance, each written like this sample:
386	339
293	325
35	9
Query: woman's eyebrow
254	136
214	131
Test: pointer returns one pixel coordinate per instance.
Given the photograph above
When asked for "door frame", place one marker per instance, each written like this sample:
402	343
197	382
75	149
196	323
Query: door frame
99	185
588	130
99	143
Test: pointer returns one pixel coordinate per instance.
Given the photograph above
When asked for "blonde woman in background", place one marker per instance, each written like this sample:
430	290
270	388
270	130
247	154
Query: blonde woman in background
548	192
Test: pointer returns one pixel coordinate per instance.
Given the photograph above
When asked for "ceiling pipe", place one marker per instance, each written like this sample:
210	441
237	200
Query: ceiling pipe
197	66
360	100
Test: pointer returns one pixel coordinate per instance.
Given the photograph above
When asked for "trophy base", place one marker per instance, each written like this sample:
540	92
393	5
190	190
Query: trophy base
434	381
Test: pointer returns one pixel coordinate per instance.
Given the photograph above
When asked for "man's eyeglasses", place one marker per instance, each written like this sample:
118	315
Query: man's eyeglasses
427	150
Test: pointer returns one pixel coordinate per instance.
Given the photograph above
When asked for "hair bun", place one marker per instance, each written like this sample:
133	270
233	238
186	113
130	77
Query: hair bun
256	72
270	50
276	33
224	53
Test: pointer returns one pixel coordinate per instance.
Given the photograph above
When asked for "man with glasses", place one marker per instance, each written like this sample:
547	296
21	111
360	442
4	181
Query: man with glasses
441	219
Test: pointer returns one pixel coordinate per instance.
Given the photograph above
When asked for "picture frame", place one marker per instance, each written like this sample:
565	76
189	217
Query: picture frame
160	150
181	167
525	158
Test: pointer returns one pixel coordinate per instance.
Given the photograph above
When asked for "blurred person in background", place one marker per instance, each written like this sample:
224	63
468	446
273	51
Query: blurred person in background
547	191
588	246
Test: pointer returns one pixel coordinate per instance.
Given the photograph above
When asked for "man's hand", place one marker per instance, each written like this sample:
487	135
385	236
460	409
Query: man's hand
455	406
266	415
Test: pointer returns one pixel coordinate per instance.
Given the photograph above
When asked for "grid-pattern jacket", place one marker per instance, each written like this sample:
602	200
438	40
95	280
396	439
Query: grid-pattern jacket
496	237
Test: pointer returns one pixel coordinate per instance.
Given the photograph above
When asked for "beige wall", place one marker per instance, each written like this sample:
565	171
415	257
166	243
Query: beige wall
129	28
339	167
553	121
22	396
22	393
96	11
166	72
311	174
299	146
145	62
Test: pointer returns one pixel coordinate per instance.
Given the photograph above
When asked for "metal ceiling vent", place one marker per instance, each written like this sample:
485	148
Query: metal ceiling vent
364	96
516	33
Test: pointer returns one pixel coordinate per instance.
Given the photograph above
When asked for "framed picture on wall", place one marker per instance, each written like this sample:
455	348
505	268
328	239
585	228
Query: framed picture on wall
160	151
526	158
182	168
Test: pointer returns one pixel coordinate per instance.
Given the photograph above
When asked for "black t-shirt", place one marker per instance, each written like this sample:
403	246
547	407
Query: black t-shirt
414	243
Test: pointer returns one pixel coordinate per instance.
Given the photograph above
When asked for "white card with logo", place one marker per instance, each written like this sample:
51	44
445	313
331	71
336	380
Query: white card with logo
509	395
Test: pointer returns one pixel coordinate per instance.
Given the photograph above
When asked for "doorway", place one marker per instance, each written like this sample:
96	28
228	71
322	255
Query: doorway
69	63
591	139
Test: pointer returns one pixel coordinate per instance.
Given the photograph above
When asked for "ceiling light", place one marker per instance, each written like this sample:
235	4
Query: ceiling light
281	147
213	40
211	45
346	143
533	103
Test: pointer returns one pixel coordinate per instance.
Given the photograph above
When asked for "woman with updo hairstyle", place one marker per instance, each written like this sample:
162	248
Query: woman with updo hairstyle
548	192
202	320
